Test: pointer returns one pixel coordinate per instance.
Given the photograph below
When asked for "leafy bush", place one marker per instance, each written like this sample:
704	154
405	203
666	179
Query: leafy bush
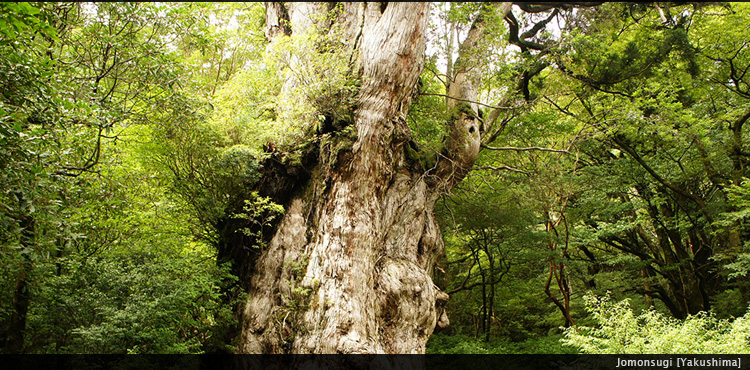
549	344
622	331
134	303
463	344
450	344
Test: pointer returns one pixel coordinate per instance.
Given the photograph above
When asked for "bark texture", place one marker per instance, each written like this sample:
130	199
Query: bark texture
349	267
21	295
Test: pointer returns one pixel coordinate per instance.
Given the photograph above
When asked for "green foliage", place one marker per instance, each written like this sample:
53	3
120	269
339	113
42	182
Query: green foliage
324	87
134	303
427	114
620	330
218	42
647	105
201	170
298	299
447	344
130	131
737	261
19	18
259	212
245	107
462	344
92	97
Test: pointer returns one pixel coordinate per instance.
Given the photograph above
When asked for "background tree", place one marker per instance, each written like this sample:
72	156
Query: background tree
85	225
621	143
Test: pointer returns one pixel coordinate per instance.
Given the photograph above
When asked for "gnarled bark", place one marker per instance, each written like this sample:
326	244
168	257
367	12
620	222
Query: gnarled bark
348	269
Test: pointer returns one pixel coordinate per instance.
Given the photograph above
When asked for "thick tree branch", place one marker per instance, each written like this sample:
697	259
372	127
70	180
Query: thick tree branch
698	201
538	7
467	100
539	26
469	287
526	149
515	39
502	168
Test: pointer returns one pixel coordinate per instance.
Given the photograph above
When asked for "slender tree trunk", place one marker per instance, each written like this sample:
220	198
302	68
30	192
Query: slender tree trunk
21	295
349	267
483	285
491	272
557	270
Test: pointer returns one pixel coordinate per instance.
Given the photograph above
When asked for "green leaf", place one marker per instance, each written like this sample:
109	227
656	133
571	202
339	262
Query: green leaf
26	8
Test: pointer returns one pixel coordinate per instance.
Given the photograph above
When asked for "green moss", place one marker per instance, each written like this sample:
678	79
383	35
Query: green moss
340	141
296	154
347	134
293	159
461	107
421	159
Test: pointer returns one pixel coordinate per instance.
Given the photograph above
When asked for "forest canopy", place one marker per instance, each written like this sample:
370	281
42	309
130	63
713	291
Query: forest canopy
374	177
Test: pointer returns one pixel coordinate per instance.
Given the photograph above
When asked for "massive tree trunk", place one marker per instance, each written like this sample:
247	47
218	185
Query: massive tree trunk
348	269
